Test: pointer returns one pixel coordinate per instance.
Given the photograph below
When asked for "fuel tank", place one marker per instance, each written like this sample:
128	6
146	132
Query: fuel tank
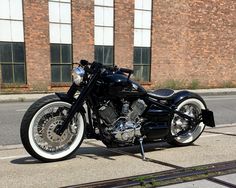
119	85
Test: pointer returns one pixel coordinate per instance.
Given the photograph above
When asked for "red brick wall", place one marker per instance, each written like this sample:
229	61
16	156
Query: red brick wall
37	44
212	41
123	32
83	29
194	40
191	40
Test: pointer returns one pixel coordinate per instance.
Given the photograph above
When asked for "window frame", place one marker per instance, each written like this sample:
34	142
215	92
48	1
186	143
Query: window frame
141	43
13	64
58	27
105	6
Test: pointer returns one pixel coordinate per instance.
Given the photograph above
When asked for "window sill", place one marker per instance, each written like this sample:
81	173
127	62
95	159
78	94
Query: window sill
13	85
145	83
63	84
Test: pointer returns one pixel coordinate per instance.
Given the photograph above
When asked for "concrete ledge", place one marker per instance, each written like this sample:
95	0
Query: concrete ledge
220	91
10	147
34	97
21	97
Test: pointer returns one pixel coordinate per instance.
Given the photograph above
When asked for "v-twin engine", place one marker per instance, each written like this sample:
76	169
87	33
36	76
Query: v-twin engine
125	126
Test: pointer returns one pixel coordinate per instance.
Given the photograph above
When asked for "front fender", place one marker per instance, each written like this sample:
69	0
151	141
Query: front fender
64	97
183	95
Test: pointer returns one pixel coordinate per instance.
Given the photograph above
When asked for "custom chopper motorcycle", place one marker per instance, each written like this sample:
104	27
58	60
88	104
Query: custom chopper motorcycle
103	103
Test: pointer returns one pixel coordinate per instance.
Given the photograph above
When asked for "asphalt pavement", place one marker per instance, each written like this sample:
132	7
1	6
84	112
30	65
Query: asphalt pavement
223	106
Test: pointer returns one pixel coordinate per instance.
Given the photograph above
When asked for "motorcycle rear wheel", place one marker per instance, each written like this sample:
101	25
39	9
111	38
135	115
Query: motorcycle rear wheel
191	107
37	130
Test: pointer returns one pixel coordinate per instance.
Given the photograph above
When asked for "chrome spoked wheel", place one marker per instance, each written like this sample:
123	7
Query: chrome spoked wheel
182	132
42	138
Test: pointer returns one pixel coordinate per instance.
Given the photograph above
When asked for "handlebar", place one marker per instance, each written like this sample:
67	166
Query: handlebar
84	62
95	65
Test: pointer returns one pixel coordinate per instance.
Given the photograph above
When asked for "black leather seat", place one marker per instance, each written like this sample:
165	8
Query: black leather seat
162	93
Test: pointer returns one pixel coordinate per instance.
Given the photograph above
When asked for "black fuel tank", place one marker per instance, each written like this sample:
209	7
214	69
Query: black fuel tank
119	85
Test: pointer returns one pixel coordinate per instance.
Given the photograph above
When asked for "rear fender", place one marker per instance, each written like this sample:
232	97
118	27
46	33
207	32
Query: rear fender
184	95
207	115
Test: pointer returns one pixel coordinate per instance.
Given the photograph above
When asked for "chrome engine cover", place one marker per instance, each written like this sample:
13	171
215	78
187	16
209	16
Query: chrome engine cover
125	130
127	127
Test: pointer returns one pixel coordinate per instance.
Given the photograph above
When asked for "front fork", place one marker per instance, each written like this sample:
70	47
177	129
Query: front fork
77	105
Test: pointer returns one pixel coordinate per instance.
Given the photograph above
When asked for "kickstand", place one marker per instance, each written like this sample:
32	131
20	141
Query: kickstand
142	150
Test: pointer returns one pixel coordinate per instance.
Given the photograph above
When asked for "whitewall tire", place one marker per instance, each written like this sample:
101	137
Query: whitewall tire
37	130
191	107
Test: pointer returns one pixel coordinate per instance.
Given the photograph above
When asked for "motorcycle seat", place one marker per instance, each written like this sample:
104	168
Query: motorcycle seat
162	93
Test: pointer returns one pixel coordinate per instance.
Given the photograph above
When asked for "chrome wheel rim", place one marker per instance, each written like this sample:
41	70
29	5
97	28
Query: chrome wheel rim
45	141
181	124
180	127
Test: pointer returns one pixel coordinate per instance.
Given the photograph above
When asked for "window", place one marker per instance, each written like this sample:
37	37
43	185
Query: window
60	39
12	58
61	62
12	50
60	22
104	54
142	40
142	63
103	31
11	21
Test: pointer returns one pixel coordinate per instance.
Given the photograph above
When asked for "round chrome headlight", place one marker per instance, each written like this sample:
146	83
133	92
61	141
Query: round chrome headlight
78	74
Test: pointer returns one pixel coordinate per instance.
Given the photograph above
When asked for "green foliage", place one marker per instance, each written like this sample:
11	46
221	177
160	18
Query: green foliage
228	84
180	84
195	84
171	84
21	99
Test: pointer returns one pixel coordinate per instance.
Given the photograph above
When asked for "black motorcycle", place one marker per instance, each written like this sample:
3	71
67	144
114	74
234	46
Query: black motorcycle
104	104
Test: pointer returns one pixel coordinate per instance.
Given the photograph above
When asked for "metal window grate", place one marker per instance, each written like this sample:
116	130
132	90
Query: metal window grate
61	63
104	54
12	61
142	63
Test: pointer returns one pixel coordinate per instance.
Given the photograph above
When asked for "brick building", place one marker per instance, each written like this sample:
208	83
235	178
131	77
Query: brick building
181	41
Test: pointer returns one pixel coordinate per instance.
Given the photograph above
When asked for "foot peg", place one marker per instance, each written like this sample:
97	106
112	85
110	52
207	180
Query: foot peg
141	146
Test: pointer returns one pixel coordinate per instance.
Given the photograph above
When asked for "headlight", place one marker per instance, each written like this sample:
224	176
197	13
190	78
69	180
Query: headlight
78	74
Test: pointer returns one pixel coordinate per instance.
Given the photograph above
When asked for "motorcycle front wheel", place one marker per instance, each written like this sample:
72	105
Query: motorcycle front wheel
38	125
186	134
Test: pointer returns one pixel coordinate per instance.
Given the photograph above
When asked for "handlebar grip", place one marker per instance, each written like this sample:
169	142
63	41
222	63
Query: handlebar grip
84	62
88	70
129	71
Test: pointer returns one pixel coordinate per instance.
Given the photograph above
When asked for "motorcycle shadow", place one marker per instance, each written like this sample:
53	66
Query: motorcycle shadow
89	152
25	160
100	151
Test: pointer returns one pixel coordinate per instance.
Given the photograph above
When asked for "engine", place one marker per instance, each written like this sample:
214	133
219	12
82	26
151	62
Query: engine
123	126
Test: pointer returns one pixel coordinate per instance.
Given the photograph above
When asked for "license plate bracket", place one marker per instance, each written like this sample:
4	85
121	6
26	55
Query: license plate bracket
208	118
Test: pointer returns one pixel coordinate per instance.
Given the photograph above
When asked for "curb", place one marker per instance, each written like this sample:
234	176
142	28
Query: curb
34	97
21	97
11	147
214	93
